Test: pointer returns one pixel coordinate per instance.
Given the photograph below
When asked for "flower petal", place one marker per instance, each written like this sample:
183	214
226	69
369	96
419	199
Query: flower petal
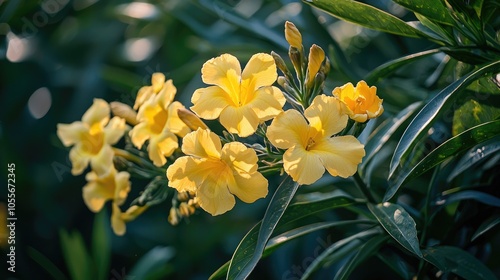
259	71
239	158
174	123
114	130
326	115
162	146
144	94
340	155
70	134
240	120
103	161
139	134
202	143
223	71
117	223
249	187
79	160
186	173
268	103
288	129
304	167
157	81
209	102
98	113
97	191
166	95
122	187
213	194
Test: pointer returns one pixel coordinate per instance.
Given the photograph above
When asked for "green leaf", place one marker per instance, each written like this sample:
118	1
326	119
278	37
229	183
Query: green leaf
432	9
486	226
472	113
385	131
101	249
464	195
47	264
387	68
367	16
293	213
368	249
475	155
399	224
76	256
457	261
245	257
338	251
442	33
152	262
424	119
396	263
450	148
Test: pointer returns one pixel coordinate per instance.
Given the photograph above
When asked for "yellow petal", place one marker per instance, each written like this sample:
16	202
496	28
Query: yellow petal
174	123
304	167
268	103
259	71
117	223
144	94
240	120
133	212
213	194
139	134
209	102
97	191
316	58
288	129
326	115
292	35
249	187
340	155
187	173
240	158
190	119
162	146
223	71
79	160
167	94
202	143
114	130
157	81
70	134
122	187
103	161
124	111
98	113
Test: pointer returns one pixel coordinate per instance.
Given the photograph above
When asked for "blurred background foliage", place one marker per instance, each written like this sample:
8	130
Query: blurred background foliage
57	55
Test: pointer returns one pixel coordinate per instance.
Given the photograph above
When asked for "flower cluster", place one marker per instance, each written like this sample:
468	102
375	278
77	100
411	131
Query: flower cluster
300	130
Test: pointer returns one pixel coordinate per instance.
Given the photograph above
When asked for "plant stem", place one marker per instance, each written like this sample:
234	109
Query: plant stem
363	187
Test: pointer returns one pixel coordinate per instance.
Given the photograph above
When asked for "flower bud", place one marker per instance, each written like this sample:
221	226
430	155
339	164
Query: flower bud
280	63
316	58
173	217
293	36
281	81
124	111
190	119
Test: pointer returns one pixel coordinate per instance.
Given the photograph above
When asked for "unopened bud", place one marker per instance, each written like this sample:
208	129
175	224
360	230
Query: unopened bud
296	58
190	119
316	58
182	196
293	36
325	67
281	81
186	210
173	217
280	63
124	111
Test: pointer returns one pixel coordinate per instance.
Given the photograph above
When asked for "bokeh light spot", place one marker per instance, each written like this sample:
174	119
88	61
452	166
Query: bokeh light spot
40	102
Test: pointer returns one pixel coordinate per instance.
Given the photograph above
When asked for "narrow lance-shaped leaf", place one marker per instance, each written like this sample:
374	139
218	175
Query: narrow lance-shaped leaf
399	224
421	123
481	197
367	16
486	226
432	9
457	261
246	256
448	149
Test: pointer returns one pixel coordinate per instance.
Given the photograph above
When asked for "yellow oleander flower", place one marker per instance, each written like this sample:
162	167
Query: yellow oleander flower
241	100
119	218
92	138
146	92
217	173
159	123
113	186
293	36
362	102
309	143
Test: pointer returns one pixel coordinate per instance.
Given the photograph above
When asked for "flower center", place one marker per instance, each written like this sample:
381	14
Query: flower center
92	143
310	143
159	121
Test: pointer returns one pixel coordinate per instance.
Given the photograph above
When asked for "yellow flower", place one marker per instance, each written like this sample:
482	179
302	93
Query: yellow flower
293	36
113	186
92	138
159	123
362	102
239	99
217	173
119	218
310	146
146	92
